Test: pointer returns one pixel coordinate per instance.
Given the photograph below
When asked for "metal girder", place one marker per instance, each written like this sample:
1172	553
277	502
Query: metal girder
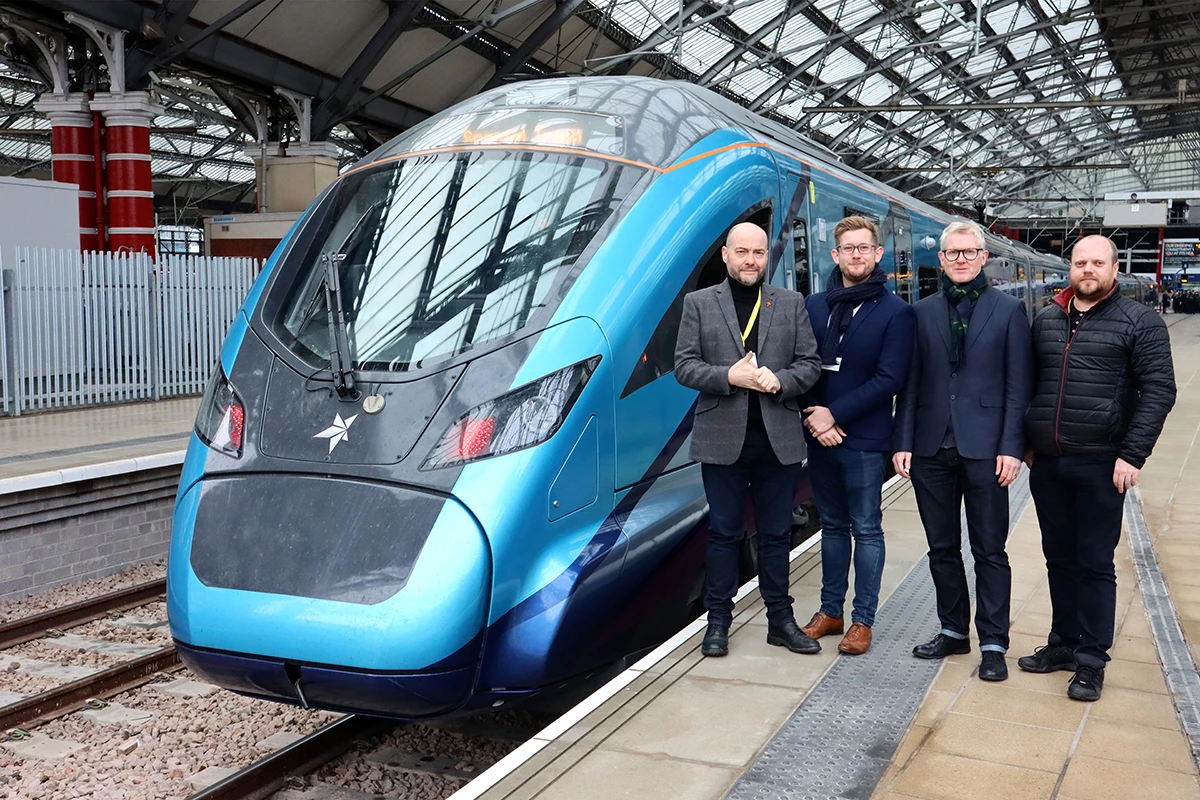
776	22
1006	106
172	54
171	16
234	60
834	43
548	27
622	64
331	108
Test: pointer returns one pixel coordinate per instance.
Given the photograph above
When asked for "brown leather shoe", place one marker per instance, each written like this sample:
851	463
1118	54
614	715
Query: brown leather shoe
857	640
822	625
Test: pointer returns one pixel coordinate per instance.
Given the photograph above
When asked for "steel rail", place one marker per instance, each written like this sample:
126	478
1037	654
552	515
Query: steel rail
271	773
70	697
33	627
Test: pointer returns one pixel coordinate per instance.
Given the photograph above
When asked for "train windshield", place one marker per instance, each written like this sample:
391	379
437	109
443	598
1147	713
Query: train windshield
439	253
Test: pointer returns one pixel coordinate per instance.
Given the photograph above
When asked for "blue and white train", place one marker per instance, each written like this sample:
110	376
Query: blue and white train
443	462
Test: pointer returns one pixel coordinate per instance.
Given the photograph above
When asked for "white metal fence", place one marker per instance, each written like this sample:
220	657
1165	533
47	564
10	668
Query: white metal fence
91	328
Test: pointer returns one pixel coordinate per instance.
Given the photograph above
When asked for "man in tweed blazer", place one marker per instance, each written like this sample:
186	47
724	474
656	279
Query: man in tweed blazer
748	348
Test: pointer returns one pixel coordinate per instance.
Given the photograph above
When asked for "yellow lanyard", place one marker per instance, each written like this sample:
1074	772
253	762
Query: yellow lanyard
753	316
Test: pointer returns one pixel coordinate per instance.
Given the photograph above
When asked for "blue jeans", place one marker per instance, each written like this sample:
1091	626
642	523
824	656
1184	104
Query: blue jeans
848	487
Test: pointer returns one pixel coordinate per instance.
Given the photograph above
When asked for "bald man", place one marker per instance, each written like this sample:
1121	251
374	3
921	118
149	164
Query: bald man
748	348
1104	384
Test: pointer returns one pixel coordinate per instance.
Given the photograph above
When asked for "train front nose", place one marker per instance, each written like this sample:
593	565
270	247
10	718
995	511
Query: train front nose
330	592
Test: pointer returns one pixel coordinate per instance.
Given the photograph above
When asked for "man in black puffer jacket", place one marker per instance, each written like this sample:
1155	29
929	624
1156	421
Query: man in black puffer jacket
1103	387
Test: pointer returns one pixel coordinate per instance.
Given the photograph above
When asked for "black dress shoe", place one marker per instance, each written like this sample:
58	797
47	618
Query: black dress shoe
941	646
716	641
790	636
992	667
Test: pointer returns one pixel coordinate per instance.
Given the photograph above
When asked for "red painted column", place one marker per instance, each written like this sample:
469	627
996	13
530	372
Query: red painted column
73	155
130	193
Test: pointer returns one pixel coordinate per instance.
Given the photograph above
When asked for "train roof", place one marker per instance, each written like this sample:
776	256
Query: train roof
662	120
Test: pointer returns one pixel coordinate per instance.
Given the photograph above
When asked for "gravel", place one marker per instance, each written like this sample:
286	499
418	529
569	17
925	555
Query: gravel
72	593
155	759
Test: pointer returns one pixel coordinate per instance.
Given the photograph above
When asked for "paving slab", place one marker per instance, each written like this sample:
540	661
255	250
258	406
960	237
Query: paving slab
210	775
278	741
94	644
58	672
41	748
185	688
117	715
405	761
139	623
324	791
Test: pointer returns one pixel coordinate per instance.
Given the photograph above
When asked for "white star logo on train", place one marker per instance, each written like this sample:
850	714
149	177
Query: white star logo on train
338	432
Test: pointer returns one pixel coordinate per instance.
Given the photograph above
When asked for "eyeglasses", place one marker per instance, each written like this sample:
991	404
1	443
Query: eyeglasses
849	249
970	254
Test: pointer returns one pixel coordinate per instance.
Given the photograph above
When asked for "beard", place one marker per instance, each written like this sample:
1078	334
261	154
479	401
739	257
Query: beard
1099	293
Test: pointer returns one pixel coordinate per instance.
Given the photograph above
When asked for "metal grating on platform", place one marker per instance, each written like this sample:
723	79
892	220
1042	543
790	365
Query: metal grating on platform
1182	678
841	739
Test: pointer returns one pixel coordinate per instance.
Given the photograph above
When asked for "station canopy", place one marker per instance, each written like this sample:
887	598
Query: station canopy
1035	107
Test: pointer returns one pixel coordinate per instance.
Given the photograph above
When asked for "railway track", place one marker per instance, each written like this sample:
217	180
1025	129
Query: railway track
69	697
286	766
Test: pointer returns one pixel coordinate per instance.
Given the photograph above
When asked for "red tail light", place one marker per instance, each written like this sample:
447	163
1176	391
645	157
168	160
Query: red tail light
477	435
523	417
221	423
237	419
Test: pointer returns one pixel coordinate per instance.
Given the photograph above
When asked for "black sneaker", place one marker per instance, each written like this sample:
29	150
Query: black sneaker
716	641
992	666
790	636
1049	659
1086	685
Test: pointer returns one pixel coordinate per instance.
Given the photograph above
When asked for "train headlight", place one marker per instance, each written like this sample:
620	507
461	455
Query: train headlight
526	416
222	418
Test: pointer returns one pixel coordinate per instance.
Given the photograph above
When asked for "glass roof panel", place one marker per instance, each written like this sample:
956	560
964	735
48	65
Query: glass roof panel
840	65
752	16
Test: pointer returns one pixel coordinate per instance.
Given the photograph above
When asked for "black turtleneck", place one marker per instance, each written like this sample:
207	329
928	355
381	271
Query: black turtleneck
744	298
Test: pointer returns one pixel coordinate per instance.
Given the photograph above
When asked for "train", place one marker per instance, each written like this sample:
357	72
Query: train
442	464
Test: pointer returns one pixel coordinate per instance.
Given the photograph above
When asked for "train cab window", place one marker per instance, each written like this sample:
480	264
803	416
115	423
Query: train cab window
800	251
439	254
658	357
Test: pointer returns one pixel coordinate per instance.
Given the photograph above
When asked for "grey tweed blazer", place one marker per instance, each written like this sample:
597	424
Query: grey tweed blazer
710	342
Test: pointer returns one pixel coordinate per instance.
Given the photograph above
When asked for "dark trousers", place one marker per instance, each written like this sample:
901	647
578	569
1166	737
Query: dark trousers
773	487
1079	511
941	483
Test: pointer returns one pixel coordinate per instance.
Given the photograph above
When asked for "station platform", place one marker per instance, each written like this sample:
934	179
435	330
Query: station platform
765	723
36	447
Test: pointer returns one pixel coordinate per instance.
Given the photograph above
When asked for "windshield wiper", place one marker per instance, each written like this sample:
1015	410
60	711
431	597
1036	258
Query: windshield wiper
340	362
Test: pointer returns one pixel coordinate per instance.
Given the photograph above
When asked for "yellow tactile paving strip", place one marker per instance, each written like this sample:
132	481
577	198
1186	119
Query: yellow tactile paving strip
56	440
1024	738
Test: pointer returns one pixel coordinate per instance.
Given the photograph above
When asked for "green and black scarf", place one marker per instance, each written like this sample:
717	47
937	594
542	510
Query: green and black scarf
961	297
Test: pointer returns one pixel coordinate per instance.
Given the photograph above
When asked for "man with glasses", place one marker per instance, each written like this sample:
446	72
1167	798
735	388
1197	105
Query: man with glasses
959	435
865	335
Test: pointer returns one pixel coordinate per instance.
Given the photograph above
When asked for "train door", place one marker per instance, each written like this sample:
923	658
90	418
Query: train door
793	243
902	253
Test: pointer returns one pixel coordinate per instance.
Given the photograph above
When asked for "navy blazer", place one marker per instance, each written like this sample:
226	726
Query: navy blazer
876	351
985	397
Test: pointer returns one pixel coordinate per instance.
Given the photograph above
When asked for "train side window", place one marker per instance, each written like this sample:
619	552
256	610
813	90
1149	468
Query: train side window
658	358
800	251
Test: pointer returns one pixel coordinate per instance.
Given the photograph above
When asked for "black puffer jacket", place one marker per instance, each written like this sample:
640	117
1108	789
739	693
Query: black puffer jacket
1118	384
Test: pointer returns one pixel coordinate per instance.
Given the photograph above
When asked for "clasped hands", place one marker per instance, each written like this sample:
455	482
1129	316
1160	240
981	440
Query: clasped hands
747	376
823	426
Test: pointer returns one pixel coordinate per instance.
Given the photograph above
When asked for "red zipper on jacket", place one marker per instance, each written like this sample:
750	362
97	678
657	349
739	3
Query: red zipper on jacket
1062	381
